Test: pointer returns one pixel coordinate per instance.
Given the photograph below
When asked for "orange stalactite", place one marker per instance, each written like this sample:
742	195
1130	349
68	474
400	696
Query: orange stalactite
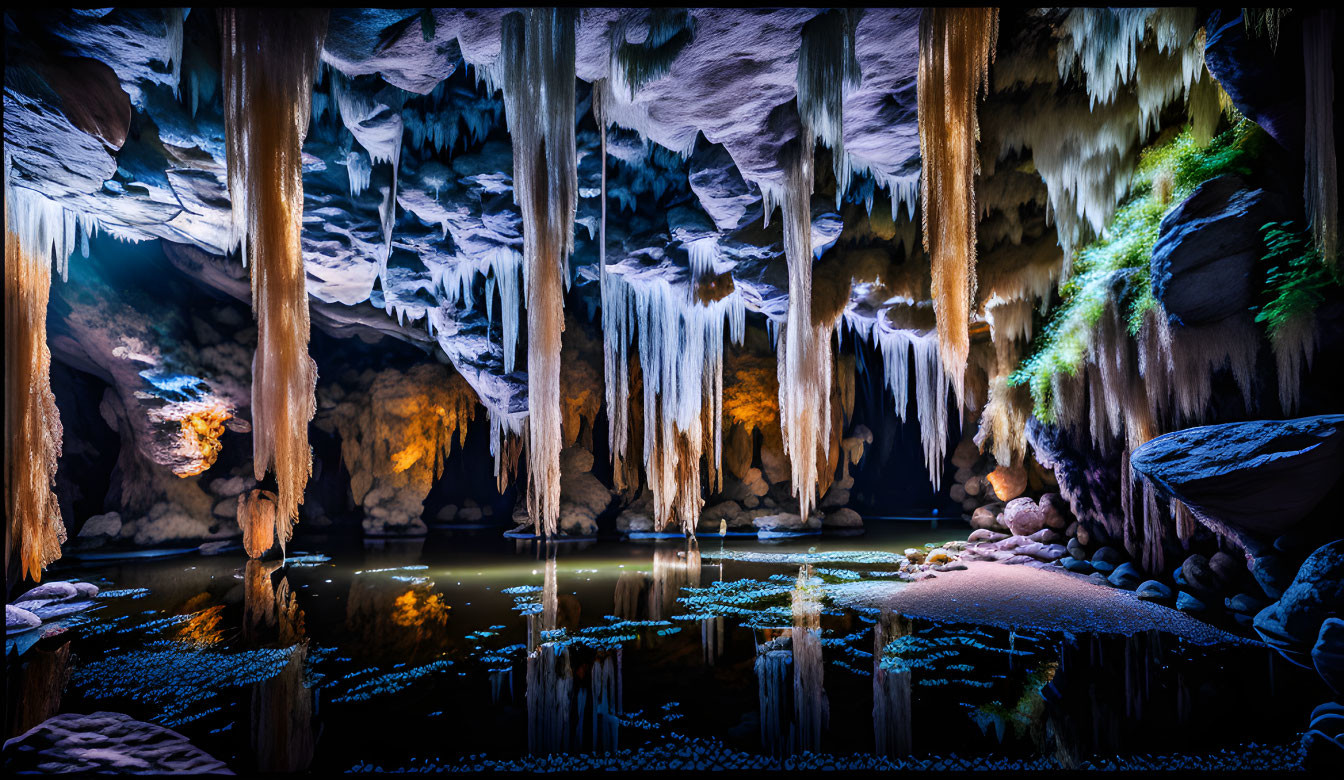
956	46
32	422
267	62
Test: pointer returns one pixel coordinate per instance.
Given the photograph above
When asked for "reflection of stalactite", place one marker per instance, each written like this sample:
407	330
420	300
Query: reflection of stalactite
33	523
673	570
608	700
956	46
773	692
810	706
892	716
267	59
283	735
550	689
711	639
629	587
536	71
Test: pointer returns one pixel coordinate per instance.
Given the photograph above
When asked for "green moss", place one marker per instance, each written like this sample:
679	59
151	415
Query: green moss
1173	167
1297	280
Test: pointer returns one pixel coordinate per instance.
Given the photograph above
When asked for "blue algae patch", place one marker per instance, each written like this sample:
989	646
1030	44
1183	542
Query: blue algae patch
517	589
174	679
125	593
390	682
416	567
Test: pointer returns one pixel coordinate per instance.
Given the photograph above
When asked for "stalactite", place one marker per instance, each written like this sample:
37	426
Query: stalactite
826	67
1154	531
535	69
956	46
1294	343
256	516
268	59
1322	185
681	351
33	525
803	345
1184	520
897	345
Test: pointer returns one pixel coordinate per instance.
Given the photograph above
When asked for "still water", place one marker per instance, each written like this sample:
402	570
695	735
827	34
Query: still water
465	650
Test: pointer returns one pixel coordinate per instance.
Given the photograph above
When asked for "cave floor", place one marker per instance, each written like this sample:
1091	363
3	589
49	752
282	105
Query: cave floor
468	651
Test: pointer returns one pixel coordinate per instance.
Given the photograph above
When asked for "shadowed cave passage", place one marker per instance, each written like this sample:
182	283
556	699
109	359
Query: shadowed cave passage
684	389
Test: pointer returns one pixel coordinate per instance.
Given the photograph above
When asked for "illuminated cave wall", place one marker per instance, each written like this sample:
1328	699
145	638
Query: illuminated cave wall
1112	145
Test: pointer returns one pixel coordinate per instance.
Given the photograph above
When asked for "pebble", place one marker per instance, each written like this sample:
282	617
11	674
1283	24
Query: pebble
1152	590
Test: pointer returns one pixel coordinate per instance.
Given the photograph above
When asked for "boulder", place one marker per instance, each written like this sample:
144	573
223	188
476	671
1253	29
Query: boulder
784	521
448	513
1047	536
1227	569
843	518
988	517
1108	555
1076	550
1248	479
1293	623
1008	482
938	557
50	591
1152	590
106	742
1197	575
1260	82
1077	565
1244	604
1056	511
1327	655
1127	575
1206	248
986	535
1273	573
1023	517
19	619
109	525
1188	602
471	514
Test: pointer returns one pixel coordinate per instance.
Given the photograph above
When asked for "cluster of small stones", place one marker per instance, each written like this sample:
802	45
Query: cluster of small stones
983	487
1043	532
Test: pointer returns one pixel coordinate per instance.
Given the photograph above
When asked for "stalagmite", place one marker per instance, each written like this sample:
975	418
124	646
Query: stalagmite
535	69
33	525
268	59
956	46
1322	185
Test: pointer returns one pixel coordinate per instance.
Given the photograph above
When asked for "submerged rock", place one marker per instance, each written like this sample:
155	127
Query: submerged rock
843	518
19	619
1327	655
106	742
1127	575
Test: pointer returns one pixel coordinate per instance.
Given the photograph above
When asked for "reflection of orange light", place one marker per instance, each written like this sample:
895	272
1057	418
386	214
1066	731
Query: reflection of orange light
203	628
201	431
410	609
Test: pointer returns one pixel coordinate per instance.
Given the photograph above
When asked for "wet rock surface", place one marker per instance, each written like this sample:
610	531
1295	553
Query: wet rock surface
106	743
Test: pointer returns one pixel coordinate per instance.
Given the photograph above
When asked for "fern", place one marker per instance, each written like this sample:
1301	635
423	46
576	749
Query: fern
1297	282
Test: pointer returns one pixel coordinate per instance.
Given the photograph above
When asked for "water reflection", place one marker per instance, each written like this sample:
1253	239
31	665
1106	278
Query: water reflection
892	719
282	730
810	706
789	674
